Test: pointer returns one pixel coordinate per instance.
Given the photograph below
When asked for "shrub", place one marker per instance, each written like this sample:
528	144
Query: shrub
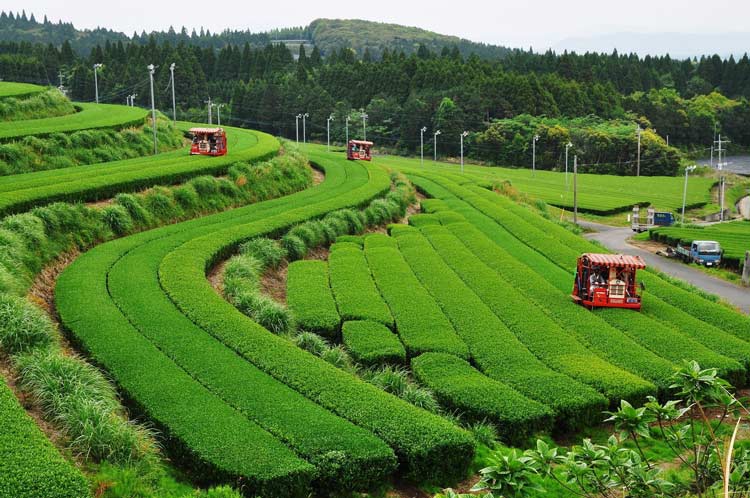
311	342
138	213
117	219
294	246
265	250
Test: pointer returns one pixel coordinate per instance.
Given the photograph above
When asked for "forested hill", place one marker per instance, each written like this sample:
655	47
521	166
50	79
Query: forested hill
328	35
333	34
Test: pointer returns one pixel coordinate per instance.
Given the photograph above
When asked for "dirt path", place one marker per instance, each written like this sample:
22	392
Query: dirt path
616	239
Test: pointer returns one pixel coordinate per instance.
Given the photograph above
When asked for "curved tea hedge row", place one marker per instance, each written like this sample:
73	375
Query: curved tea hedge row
310	298
101	181
353	287
19	90
460	386
30	466
89	116
326	404
372	343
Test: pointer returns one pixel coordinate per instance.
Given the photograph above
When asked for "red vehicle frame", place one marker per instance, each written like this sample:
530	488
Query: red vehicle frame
607	281
359	150
208	142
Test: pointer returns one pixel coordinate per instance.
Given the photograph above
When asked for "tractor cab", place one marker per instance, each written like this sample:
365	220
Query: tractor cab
359	150
208	142
607	281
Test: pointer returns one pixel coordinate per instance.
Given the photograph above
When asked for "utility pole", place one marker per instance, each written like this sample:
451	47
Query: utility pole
434	139
567	146
347	131
464	134
210	116
638	162
364	126
218	113
132	99
151	70
328	132
533	155
684	191
296	125
720	165
421	144
174	107
304	127
712	146
575	189
96	82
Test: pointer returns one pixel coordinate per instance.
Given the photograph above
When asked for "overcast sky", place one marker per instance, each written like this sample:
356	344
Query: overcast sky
520	23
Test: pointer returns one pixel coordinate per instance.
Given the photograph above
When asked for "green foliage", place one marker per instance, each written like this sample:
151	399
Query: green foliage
608	147
30	467
310	299
371	343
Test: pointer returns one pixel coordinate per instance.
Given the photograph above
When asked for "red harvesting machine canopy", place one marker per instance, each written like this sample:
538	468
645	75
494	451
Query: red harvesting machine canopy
359	150
208	141
607	281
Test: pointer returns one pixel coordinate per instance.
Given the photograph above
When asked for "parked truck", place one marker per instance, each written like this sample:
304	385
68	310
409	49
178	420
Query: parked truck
653	219
703	252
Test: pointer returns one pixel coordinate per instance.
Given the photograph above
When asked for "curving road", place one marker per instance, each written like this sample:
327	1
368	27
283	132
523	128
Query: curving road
616	239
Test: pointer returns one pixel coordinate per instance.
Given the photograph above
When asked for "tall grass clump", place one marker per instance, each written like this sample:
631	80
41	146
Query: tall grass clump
45	104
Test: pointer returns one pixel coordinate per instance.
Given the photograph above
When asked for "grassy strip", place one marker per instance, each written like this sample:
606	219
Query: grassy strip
420	322
354	289
428	447
18	90
42	103
310	298
494	348
372	343
101	181
89	117
63	150
461	387
30	467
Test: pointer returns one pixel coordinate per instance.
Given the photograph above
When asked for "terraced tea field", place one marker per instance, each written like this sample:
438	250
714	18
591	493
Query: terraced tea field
733	237
391	341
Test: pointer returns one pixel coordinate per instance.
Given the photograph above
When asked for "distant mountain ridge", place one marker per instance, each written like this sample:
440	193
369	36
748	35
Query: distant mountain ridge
327	34
677	45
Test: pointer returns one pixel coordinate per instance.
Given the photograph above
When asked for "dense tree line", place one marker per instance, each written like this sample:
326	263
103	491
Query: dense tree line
266	87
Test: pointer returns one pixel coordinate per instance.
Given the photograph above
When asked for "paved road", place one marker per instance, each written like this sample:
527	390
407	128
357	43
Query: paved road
615	239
